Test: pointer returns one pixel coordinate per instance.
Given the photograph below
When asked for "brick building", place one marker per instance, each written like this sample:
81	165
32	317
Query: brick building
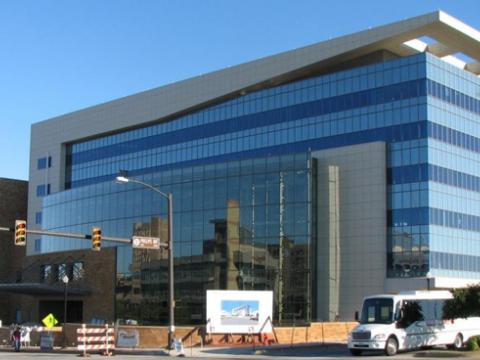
90	290
13	205
32	287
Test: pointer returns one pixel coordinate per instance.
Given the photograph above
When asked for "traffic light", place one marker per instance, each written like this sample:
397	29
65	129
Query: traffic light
20	232
96	239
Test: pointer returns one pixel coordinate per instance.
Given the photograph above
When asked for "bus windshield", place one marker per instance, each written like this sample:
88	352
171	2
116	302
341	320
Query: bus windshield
377	311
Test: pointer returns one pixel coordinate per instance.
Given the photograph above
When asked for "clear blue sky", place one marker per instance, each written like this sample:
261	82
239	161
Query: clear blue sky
60	56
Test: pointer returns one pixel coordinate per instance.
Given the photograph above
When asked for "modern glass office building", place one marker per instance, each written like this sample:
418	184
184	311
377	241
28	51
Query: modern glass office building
323	174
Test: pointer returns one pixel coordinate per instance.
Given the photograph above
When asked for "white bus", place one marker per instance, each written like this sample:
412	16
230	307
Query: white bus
407	321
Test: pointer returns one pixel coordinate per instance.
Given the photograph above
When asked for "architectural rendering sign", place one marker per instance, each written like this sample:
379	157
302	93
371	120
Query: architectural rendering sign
239	312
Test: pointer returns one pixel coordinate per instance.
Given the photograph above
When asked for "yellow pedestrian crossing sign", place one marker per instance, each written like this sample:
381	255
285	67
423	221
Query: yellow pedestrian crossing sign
49	321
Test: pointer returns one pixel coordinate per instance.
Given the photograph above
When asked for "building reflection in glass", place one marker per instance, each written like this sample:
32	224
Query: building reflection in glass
244	224
251	232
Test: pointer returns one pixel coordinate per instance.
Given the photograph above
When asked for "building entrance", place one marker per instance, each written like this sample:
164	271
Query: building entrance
56	307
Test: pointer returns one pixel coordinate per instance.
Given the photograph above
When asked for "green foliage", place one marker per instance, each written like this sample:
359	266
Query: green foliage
465	303
473	344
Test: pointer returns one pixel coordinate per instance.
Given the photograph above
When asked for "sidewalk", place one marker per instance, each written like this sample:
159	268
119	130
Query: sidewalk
209	352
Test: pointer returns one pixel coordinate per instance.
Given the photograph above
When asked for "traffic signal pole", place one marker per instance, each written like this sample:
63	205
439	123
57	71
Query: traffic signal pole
76	236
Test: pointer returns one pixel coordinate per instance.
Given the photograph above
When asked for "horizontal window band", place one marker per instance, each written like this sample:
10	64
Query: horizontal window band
404	132
401	91
433	216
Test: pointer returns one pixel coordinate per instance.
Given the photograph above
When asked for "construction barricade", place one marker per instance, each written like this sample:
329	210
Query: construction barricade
96	339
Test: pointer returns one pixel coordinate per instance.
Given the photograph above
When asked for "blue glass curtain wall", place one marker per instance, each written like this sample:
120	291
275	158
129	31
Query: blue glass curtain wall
403	91
411	89
396	133
347	102
396	92
429	172
385	102
228	221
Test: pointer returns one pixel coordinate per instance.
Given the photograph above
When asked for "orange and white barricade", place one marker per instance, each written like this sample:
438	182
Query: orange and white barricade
96	339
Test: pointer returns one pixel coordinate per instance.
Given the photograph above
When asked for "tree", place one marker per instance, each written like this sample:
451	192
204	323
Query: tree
465	303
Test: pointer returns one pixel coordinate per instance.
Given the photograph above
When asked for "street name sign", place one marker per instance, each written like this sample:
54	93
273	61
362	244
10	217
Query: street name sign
145	242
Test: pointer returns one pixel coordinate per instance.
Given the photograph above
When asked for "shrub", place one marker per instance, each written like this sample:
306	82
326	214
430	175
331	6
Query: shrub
473	344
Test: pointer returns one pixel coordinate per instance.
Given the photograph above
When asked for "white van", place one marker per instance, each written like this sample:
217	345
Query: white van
407	321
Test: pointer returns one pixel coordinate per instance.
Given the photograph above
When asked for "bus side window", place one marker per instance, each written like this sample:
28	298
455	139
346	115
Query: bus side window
432	309
439	304
411	312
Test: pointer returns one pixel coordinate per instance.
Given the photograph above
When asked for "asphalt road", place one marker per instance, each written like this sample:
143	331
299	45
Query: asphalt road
220	354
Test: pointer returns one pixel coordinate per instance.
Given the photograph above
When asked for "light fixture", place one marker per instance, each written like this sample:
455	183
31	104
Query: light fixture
122	177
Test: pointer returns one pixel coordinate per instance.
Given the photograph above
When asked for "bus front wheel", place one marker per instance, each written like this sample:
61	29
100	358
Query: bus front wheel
355	352
391	347
458	342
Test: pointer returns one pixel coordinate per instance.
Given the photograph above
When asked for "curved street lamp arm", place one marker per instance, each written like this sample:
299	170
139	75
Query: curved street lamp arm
148	186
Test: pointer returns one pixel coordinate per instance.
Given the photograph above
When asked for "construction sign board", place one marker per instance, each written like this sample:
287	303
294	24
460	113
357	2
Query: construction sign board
239	312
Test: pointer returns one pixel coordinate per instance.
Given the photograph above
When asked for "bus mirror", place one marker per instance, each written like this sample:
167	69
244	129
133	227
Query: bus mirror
356	316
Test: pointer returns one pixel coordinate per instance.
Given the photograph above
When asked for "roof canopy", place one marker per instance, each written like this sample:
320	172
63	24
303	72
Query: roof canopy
41	289
449	39
437	33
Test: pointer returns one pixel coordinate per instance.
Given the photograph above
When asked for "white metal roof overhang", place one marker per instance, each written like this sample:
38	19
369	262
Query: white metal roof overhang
41	289
448	38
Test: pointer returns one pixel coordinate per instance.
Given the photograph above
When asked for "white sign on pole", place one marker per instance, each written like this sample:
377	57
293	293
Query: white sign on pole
179	347
46	341
145	242
239	312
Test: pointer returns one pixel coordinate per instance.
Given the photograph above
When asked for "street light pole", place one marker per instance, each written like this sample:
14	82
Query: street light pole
171	299
65	280
123	178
